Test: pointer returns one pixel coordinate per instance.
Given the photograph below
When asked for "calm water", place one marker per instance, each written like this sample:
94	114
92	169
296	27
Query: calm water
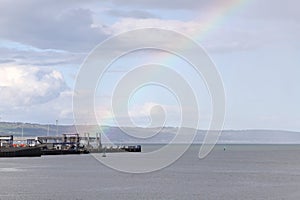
240	172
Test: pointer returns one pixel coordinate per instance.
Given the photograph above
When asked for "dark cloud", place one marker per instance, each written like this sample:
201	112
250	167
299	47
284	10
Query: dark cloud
48	25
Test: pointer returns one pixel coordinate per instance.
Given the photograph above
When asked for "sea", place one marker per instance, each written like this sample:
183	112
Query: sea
229	172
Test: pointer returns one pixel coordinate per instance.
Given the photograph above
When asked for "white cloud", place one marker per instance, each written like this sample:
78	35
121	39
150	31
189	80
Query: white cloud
144	110
59	108
155	114
140	114
127	24
236	36
27	85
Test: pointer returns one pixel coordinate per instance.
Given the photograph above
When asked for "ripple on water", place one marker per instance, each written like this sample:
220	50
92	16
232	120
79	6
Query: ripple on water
10	169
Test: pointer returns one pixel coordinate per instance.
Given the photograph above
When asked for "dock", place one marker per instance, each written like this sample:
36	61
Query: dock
67	143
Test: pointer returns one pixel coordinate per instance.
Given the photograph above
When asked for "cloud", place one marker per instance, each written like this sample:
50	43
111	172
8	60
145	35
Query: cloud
20	54
267	9
233	36
217	41
79	26
59	108
37	35
127	24
49	27
72	26
164	4
25	86
6	61
273	10
131	14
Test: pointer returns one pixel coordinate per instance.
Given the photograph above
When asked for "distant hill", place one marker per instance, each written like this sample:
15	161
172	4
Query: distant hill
164	135
8	128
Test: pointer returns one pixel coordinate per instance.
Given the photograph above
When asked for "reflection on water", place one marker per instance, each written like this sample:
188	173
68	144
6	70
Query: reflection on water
10	169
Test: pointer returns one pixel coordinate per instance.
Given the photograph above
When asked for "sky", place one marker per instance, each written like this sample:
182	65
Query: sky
254	44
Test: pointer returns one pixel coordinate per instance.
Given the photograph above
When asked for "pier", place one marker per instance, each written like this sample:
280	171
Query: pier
67	143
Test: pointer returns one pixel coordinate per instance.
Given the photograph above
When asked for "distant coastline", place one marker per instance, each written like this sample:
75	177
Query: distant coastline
164	136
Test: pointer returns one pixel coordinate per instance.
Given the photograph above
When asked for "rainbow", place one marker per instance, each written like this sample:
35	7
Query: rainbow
217	15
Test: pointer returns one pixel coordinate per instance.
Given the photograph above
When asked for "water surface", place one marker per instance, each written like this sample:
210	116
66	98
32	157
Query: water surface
240	172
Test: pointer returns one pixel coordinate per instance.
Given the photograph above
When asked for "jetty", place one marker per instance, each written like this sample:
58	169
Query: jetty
67	143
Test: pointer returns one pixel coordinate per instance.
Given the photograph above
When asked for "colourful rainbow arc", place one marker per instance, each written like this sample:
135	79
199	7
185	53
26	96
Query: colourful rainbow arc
218	15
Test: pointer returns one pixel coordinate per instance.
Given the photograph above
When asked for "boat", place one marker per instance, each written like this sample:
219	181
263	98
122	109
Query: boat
20	152
8	149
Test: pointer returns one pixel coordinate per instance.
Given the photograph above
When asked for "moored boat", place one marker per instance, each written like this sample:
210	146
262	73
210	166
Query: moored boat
8	149
20	152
